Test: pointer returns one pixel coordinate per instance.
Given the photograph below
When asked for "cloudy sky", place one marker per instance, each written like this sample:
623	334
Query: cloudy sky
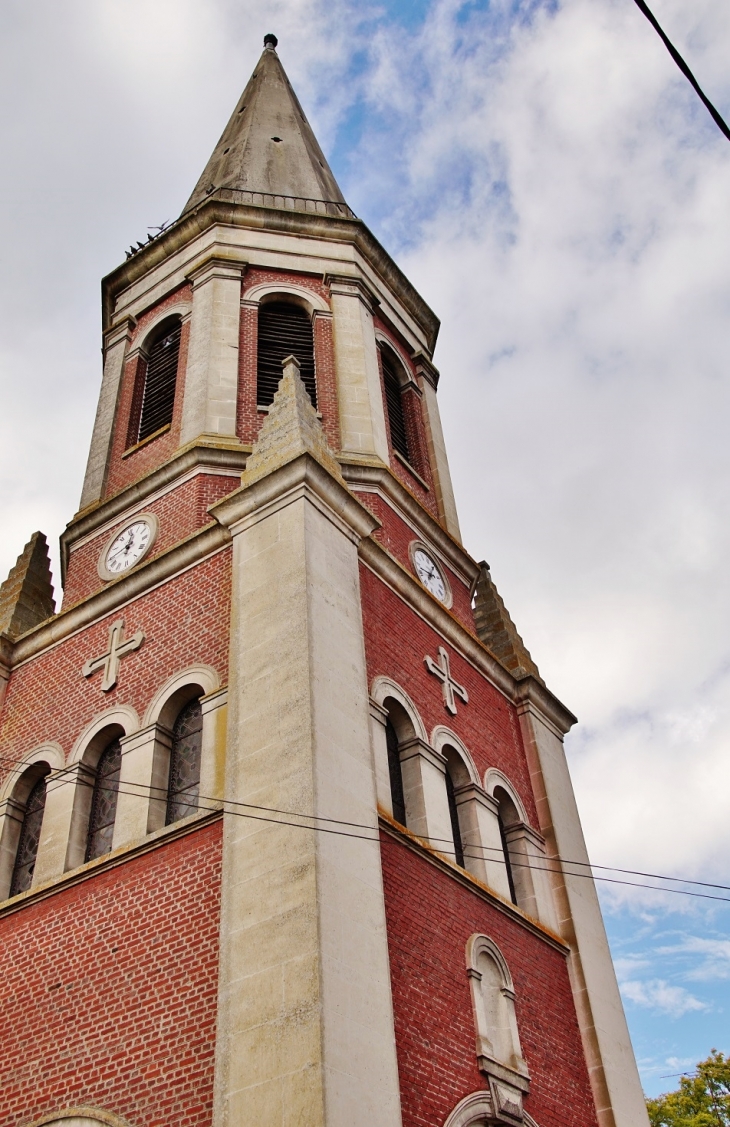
561	198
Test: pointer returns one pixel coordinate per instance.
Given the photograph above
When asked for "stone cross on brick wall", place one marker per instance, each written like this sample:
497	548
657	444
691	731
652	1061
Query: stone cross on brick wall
118	647
449	686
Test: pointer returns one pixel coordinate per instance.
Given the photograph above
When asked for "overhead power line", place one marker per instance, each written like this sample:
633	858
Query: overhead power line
715	114
372	835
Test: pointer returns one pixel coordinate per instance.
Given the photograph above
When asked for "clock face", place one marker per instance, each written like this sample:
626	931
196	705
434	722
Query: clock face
128	547
429	574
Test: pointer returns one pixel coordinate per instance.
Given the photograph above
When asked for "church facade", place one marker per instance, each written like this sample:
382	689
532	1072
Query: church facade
287	835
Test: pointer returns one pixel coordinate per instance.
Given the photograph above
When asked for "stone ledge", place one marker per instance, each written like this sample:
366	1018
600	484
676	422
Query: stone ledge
433	857
111	860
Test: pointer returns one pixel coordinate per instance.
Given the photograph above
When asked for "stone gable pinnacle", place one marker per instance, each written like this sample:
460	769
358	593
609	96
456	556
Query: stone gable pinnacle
290	429
26	596
268	145
497	631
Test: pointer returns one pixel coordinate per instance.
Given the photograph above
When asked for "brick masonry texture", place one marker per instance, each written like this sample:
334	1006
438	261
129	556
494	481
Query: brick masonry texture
111	989
395	536
396	643
415	431
181	511
185	622
430	917
249	420
124	471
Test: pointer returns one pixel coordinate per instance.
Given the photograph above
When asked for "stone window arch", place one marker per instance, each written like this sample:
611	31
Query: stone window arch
104	797
156	380
498	1050
180	747
95	767
526	862
477	1110
285	328
22	809
80	1117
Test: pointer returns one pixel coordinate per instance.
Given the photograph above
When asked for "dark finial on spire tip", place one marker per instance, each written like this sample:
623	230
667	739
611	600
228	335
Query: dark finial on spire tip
270	41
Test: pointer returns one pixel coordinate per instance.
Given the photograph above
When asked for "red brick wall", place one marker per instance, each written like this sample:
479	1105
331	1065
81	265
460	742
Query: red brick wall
123	471
185	622
395	535
430	917
396	642
110	991
180	512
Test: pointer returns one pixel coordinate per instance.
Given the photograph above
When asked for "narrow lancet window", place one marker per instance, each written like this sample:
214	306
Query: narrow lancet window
397	797
507	859
160	380
394	404
454	816
184	785
104	801
284	330
30	835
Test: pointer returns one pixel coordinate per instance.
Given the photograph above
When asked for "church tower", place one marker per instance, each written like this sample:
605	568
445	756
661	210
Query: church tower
284	807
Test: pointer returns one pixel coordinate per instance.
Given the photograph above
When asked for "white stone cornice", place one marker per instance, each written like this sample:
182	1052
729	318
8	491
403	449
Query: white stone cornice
218	457
196	548
468	645
379	478
250	503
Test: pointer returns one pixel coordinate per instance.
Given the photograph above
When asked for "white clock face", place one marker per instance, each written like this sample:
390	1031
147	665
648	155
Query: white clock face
429	574
128	547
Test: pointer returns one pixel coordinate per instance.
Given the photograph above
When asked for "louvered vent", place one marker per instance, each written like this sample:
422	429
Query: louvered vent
284	330
394	403
159	383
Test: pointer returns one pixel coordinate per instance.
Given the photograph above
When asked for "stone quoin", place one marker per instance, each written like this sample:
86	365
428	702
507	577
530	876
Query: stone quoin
284	800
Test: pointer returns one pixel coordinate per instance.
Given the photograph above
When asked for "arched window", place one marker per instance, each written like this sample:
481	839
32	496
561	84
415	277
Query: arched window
30	835
499	1054
396	775
394	404
154	397
104	801
284	330
454	816
508	815
184	781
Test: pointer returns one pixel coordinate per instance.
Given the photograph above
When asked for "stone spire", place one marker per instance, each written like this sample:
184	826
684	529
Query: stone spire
26	596
291	428
497	630
268	144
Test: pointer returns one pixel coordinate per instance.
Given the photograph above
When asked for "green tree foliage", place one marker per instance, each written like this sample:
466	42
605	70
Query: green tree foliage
702	1099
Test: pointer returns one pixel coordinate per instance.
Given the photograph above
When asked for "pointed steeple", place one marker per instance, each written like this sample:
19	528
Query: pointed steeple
268	145
497	630
26	596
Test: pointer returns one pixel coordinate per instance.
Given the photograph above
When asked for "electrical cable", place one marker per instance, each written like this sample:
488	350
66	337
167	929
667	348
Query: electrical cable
715	114
558	861
362	837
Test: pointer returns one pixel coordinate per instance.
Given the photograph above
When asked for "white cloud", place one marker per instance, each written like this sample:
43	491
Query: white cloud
714	957
658	995
560	197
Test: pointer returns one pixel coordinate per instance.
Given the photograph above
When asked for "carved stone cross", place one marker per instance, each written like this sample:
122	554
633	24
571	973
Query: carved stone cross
449	686
119	647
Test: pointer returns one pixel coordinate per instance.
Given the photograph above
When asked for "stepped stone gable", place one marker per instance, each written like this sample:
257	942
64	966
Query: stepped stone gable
290	429
497	630
26	596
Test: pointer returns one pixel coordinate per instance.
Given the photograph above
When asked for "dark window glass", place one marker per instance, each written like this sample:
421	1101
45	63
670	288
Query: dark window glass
184	784
394	403
104	802
159	383
507	861
30	834
396	777
284	330
454	815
